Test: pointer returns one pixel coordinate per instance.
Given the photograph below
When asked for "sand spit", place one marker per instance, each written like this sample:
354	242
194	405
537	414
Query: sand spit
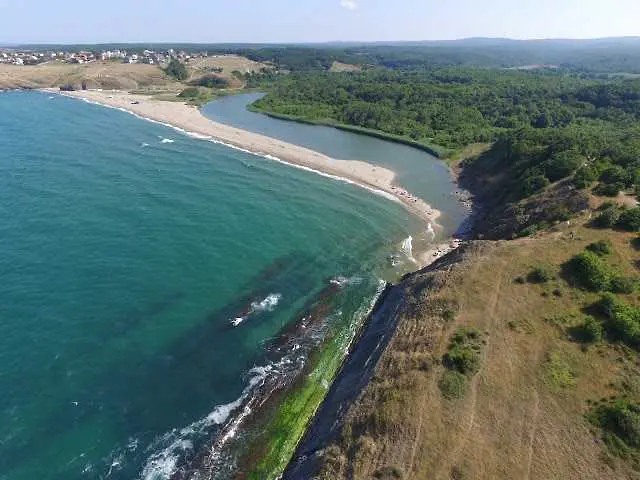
189	119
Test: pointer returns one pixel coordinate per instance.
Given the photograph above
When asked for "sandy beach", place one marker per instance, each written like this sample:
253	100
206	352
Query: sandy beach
189	118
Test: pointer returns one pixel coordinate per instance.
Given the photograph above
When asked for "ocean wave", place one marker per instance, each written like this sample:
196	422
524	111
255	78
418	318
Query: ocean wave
341	281
431	232
268	304
164	462
407	248
199	136
174	446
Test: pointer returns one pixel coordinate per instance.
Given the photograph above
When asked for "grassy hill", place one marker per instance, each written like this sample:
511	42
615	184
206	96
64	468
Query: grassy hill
490	374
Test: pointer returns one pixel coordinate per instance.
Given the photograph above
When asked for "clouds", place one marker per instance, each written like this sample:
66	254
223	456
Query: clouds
349	4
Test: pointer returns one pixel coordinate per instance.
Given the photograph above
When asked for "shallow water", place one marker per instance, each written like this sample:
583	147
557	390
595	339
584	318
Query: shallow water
421	173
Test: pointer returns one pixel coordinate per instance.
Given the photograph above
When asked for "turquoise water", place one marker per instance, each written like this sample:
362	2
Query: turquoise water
127	250
420	173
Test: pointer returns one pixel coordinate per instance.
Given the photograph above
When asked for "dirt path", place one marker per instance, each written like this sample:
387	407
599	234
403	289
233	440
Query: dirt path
532	435
464	438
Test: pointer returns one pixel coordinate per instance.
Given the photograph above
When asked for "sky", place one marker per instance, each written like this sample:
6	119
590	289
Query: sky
265	21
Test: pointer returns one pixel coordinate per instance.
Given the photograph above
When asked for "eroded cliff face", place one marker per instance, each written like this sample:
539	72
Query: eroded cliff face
466	319
410	297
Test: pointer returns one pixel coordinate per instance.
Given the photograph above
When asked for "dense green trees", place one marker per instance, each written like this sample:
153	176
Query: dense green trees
546	126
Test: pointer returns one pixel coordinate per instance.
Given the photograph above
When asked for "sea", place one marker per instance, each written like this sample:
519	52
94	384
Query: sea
148	277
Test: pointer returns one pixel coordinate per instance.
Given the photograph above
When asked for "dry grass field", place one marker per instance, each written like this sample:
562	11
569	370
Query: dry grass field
228	64
121	76
107	75
522	415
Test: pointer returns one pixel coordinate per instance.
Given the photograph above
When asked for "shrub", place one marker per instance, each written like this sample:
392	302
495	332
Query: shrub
584	178
562	165
600	248
463	354
607	218
453	384
212	81
587	270
540	275
388	473
608	189
620	423
534	184
557	372
190	92
630	220
463	359
590	331
614	174
177	70
623	285
622	319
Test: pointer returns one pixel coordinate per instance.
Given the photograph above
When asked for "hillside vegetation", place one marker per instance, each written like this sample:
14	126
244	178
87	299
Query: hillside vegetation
506	366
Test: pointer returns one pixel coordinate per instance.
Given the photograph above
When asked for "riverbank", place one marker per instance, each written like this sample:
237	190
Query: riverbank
189	120
435	150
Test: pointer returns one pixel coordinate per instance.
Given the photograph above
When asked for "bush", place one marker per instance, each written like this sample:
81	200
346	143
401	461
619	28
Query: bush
623	320
623	285
212	81
463	354
600	248
177	70
590	331
534	184
614	174
453	385
388	473
540	275
464	359
607	218
587	270
584	178
608	189
191	92
629	220
562	165
620	423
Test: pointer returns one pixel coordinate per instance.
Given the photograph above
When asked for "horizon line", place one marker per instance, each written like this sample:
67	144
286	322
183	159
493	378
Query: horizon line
324	42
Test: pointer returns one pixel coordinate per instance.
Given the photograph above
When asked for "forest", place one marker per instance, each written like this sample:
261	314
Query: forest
547	125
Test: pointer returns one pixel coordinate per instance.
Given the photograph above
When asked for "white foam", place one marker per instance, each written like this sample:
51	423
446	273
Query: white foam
268	304
162	464
341	281
407	248
199	136
166	140
143	145
431	232
237	321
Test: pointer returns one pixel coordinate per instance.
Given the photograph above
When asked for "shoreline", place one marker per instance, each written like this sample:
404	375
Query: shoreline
188	120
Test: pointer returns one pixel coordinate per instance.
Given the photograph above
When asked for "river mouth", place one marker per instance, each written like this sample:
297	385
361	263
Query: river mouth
422	174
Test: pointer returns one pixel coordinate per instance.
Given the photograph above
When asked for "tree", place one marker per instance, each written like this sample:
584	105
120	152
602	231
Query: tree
562	165
630	220
177	70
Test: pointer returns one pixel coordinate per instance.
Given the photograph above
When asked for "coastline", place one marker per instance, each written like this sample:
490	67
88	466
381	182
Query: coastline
189	120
